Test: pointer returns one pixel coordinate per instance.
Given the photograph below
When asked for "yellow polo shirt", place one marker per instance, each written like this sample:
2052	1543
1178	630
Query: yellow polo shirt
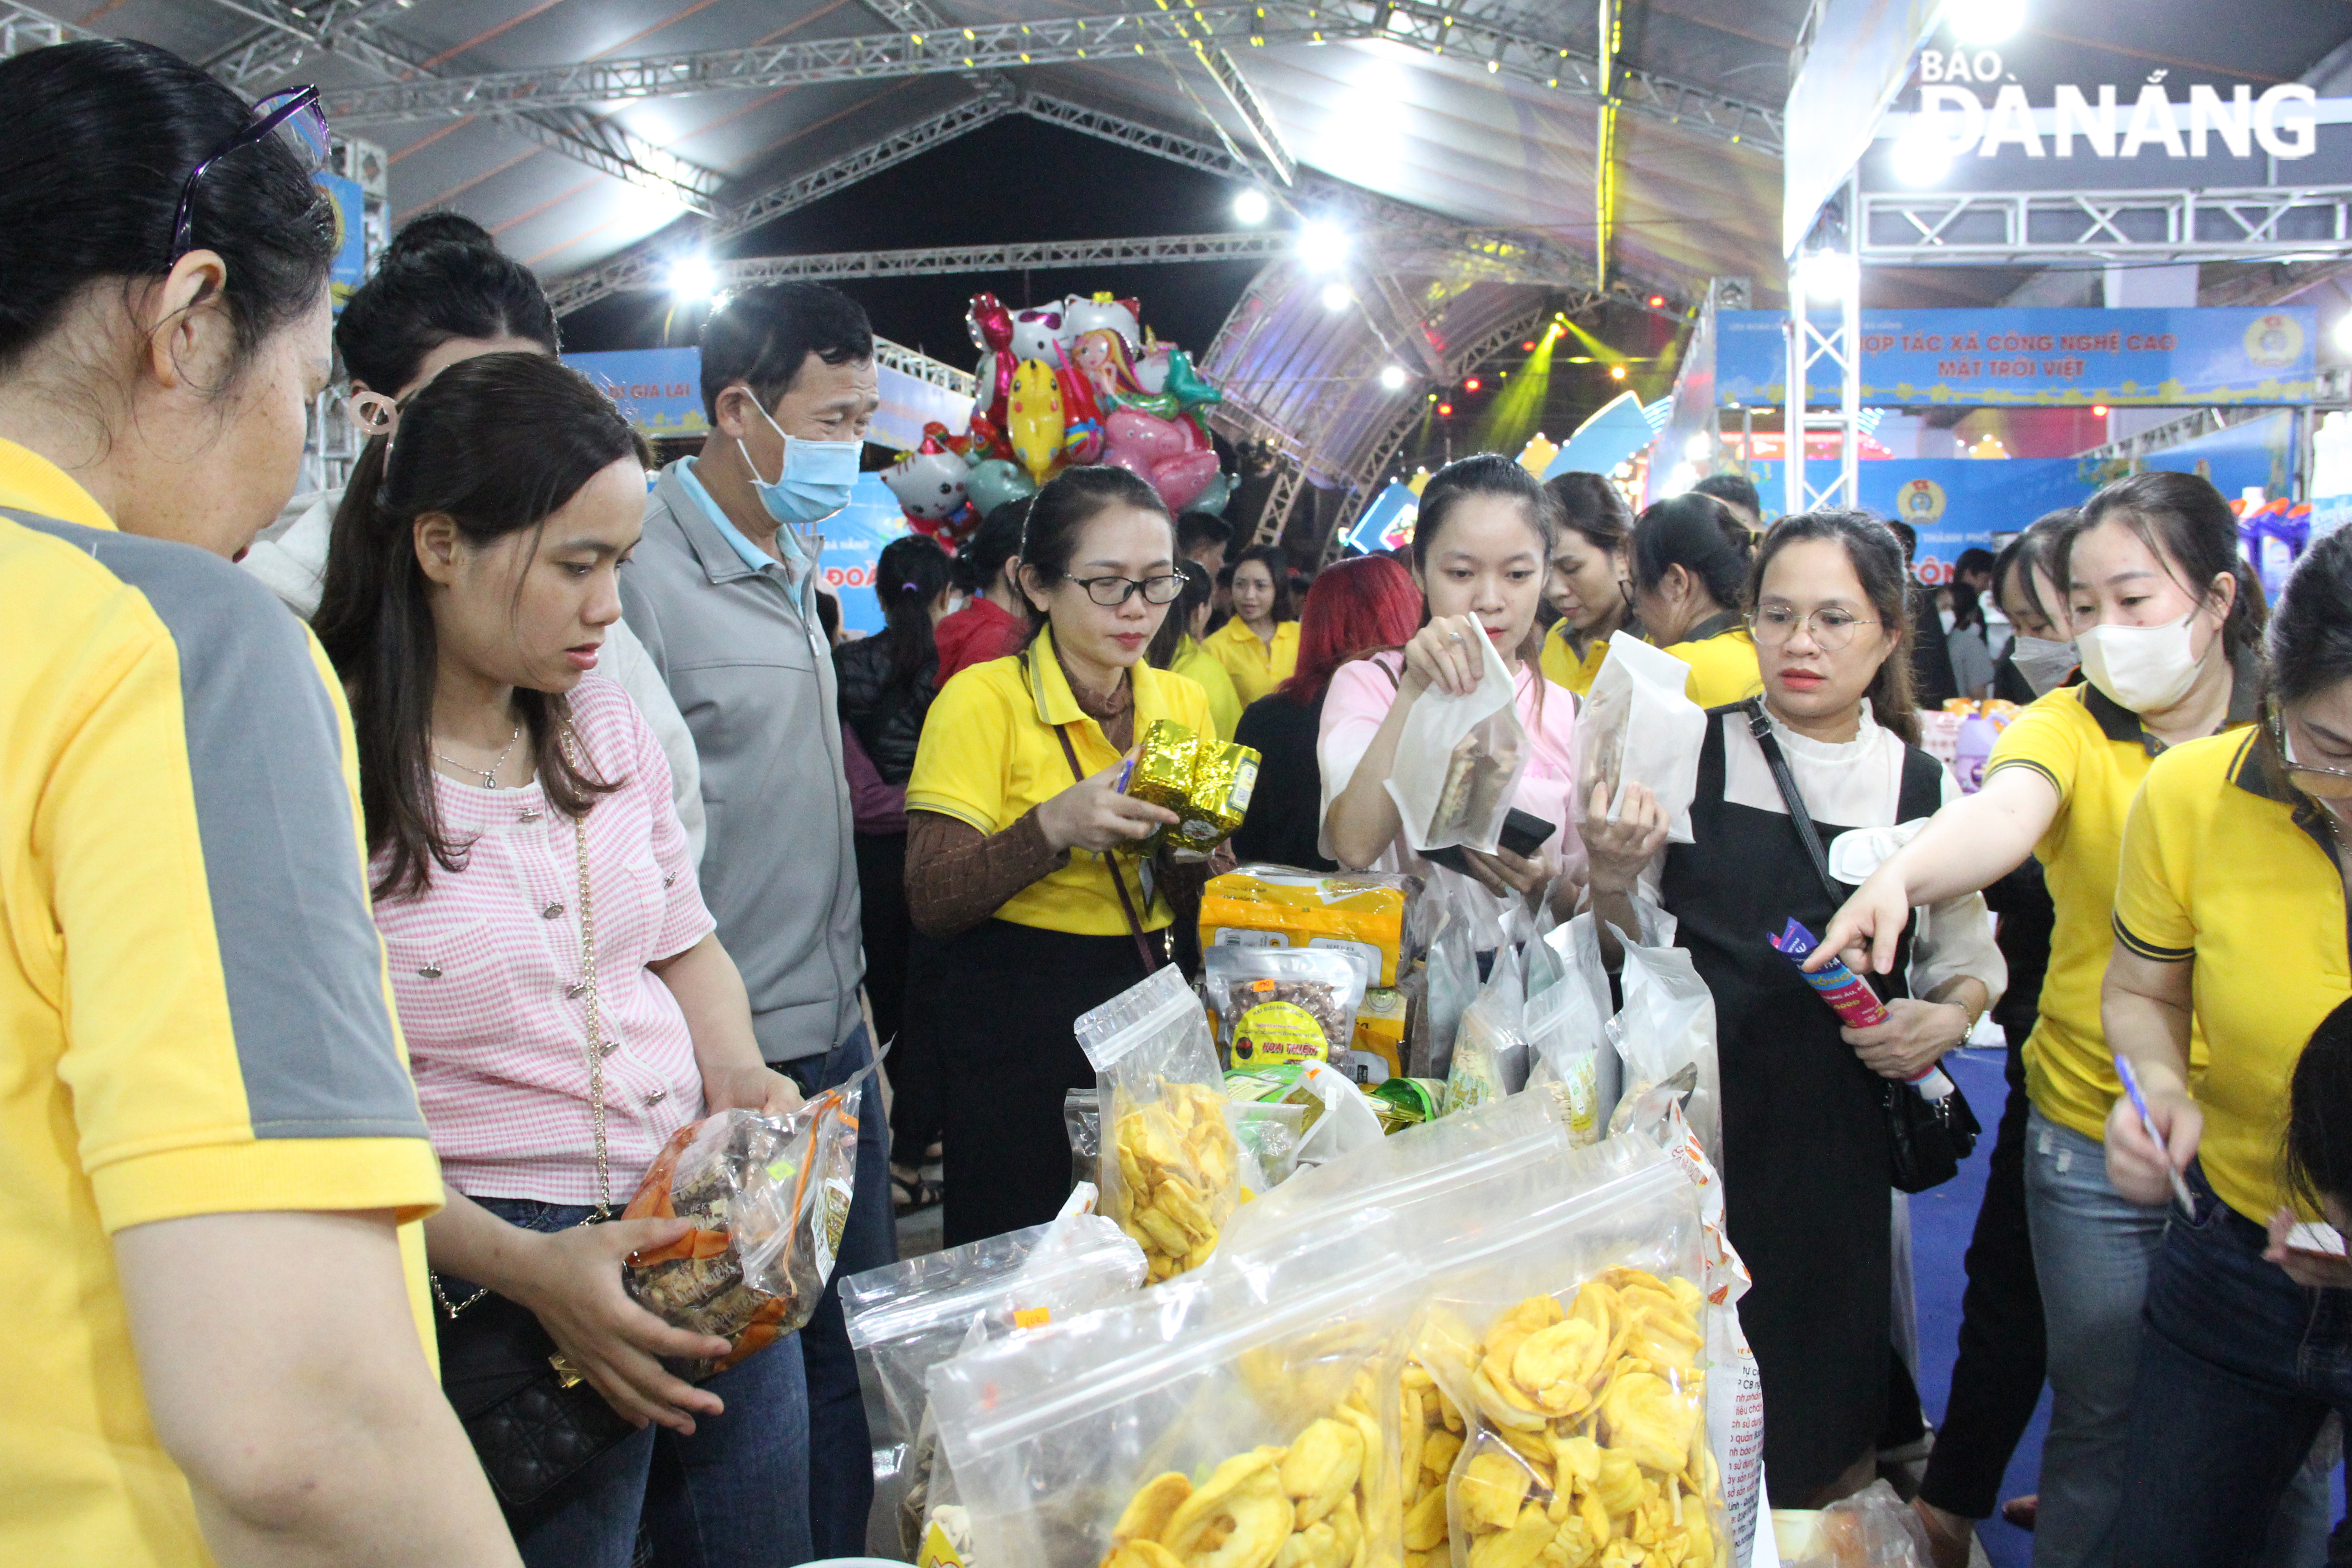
2095	753
2224	869
1256	669
989	756
1722	657
1198	665
1562	668
194	1017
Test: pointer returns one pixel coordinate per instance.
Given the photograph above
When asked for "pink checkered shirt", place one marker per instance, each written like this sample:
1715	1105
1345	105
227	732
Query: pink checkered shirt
486	961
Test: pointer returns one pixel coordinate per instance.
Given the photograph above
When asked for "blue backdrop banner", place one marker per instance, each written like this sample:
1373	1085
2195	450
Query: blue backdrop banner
659	390
2022	357
348	269
1955	502
854	538
1388	521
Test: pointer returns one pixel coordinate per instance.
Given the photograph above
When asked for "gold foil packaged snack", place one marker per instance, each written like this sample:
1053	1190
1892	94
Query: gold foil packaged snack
1205	782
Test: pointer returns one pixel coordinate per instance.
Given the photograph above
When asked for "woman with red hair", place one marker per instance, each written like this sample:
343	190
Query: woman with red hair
1355	607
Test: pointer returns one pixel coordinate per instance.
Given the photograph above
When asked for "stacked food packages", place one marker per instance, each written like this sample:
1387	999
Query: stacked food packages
1359	913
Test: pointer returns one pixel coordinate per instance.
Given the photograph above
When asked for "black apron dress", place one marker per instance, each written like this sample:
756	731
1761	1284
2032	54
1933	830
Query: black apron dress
1805	1150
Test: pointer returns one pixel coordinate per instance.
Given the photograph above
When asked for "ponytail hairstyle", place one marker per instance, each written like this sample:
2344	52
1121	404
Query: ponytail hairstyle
1059	515
102	136
1877	559
1591	506
495	444
981	561
2317	1155
1702	536
442	277
1169	640
1278	567
908	579
2193	534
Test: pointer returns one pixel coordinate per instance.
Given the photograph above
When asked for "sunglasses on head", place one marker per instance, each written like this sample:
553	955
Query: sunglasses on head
293	117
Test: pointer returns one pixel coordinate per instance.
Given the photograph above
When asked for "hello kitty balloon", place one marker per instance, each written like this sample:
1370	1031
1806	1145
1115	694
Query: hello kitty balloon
1105	313
1035	334
928	484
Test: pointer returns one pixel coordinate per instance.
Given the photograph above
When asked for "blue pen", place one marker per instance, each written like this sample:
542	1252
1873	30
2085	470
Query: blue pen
2139	1103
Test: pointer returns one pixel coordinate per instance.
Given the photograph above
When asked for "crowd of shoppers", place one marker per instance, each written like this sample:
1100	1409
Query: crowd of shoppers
383	906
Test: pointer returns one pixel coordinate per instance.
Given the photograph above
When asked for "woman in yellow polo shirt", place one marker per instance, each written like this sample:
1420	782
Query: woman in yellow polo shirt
2166	627
1176	647
1017	839
1259	646
1690	558
2231	908
1590	584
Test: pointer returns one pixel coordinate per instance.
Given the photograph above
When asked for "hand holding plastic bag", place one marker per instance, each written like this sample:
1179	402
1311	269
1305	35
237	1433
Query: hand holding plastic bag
1638	726
767	1197
1459	760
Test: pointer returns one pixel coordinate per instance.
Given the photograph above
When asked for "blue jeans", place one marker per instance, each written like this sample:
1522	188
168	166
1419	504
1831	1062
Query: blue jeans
731	1495
2239	1366
840	1451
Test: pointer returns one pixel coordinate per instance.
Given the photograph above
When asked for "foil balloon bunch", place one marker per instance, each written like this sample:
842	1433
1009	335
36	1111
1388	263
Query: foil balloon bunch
1081	381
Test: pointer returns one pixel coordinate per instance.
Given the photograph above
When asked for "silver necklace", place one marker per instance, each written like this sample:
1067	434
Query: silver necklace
491	773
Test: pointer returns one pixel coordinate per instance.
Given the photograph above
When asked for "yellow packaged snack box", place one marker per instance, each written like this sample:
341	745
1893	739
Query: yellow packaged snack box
1277	906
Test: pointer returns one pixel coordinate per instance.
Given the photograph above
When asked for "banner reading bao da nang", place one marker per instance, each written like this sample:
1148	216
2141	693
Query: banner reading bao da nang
2013	358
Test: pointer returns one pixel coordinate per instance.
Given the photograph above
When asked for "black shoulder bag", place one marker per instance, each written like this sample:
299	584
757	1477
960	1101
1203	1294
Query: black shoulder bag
1927	1139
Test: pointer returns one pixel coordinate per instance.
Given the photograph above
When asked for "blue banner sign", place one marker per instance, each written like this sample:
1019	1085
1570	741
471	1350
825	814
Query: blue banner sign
854	538
2022	357
1955	502
1388	521
659	390
348	269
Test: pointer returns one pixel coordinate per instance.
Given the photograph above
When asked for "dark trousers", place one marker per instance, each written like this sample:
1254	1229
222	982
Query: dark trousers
1997	1381
841	1453
892	979
2238	1365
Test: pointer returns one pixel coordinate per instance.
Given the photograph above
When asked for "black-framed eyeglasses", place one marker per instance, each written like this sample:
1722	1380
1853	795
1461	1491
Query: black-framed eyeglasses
2320	784
1832	627
1113	592
294	117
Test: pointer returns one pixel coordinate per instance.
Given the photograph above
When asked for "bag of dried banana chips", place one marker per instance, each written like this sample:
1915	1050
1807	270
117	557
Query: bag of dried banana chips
767	1197
1572	1349
1237	1418
1171	1171
907	1318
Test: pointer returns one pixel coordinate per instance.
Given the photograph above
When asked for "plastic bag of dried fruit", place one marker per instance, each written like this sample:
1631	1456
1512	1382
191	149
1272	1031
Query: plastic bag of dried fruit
1459	760
767	1197
1237	1418
1576	1341
1170	1168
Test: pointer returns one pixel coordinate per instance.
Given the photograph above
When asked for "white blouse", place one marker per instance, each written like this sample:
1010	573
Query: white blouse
1857	785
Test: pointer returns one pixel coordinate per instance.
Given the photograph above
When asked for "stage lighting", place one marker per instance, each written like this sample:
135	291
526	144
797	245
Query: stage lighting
692	280
1392	378
1616	373
1445	411
1336	297
1251	206
1471	383
1982	22
1826	274
1323	245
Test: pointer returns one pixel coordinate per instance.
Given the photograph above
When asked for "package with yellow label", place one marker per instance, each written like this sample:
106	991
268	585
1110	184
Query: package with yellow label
1279	1004
1362	912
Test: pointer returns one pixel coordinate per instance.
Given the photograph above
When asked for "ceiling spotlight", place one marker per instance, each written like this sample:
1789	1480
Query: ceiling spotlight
1251	206
2098	411
1922	154
1616	373
1336	297
1445	411
1323	245
1826	274
1471	383
692	280
1657	301
1392	378
1984	22
1527	347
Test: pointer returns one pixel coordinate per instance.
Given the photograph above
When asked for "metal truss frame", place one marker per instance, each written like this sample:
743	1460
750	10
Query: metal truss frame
1035	256
1812	343
923	368
346	31
2005	228
24	29
1201	30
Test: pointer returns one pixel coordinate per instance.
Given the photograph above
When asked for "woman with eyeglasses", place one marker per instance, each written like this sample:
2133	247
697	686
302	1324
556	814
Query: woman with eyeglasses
2166	620
1806	1155
217	1172
2231	911
1019	840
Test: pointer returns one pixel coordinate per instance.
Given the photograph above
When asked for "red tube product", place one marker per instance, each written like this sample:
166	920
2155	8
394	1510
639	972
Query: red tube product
1841	987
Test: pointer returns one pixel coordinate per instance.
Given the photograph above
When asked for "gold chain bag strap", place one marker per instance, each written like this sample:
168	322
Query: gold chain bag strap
533	1421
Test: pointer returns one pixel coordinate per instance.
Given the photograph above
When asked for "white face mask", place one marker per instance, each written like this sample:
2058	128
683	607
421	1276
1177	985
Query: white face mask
2044	663
2144	668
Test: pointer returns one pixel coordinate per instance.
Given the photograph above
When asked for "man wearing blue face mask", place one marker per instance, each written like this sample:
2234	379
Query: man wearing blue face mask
723	593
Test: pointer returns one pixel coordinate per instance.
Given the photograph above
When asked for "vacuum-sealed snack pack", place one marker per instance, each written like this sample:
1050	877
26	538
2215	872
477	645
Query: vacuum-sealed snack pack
1666	1034
1566	1027
1171	1167
1283	1004
1490	1048
1362	912
1638	726
1206	781
906	1318
1573	1345
1235	1418
1459	760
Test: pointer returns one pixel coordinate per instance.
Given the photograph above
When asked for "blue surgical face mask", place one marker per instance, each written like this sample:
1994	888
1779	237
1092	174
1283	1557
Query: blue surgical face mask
815	481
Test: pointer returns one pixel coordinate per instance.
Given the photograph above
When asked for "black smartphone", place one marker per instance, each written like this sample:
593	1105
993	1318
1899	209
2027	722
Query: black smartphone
1523	834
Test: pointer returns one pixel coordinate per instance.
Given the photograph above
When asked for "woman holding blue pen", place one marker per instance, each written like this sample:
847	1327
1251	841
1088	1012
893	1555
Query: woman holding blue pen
2231	911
